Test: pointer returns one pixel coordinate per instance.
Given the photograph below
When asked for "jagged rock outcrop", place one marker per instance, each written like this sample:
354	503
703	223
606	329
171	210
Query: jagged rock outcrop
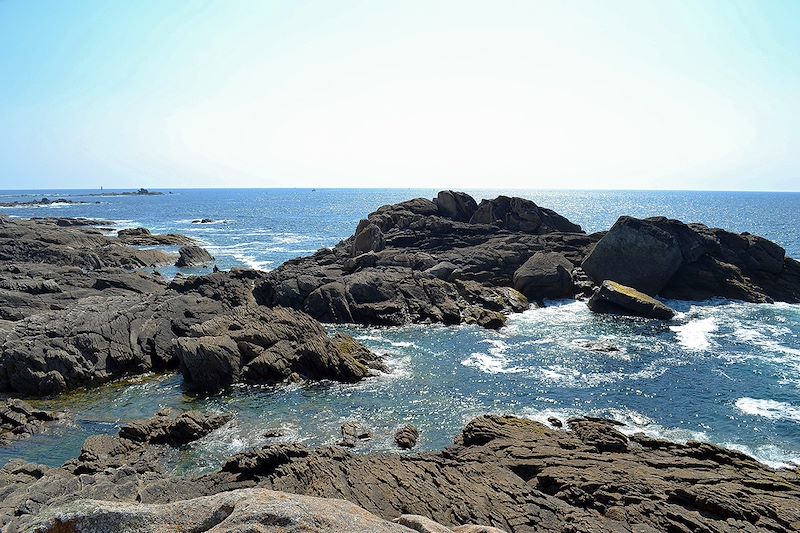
457	206
693	262
97	339
406	437
615	298
190	256
19	420
520	214
448	261
267	345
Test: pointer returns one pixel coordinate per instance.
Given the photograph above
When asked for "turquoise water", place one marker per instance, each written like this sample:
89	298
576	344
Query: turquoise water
721	371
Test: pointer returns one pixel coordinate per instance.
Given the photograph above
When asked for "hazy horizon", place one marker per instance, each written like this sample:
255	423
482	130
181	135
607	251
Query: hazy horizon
618	95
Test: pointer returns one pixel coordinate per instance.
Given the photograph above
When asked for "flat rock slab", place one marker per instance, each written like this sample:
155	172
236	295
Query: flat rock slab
256	510
615	298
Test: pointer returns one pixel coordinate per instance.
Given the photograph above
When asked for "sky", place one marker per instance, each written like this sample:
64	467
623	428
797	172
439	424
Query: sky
605	94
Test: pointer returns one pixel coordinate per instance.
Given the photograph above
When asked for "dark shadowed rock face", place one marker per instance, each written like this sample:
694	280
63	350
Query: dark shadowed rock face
368	238
457	206
189	256
47	241
636	253
693	262
262	345
615	298
510	473
545	275
143	237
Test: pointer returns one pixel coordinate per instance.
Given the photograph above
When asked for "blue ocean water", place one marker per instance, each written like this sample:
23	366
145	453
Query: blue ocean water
721	371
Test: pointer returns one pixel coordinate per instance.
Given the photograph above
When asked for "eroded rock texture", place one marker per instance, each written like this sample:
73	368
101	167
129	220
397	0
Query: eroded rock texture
506	472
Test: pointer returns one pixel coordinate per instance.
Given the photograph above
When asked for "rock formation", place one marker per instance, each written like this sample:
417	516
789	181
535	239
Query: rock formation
190	256
510	473
73	313
693	262
616	298
262	345
18	420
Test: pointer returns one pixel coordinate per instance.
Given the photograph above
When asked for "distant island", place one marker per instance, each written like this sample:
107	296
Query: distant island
141	192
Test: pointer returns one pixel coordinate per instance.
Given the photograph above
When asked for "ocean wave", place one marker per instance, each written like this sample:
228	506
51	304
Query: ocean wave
768	454
493	362
771	409
695	335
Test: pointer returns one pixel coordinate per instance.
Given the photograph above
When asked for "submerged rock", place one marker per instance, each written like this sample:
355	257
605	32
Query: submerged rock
615	298
352	432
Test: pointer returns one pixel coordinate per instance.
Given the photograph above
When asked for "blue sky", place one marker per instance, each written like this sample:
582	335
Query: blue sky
563	94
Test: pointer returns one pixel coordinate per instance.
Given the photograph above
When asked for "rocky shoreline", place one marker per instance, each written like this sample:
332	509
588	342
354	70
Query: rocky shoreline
79	308
502	472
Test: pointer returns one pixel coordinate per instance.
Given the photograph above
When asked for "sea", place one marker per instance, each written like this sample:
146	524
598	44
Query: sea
721	371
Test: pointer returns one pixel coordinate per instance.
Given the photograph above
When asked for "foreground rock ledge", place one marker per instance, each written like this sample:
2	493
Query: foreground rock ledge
253	510
507	472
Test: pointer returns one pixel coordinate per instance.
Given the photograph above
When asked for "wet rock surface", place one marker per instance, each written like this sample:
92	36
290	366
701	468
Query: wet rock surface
510	473
173	428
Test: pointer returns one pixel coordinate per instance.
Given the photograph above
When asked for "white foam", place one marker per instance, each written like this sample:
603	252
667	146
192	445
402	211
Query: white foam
769	454
771	409
696	334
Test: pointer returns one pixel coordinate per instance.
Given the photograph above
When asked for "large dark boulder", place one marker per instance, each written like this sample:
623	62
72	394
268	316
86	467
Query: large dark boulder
268	345
456	205
545	275
636	253
615	298
192	255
